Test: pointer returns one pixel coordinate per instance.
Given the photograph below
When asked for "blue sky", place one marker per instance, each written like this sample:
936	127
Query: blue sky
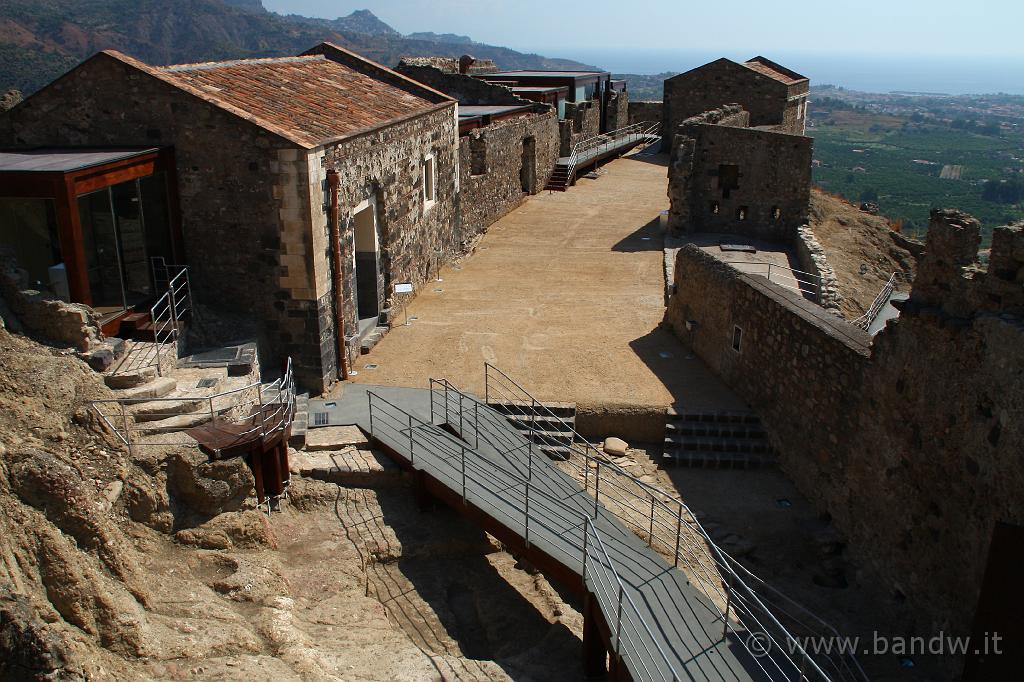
870	27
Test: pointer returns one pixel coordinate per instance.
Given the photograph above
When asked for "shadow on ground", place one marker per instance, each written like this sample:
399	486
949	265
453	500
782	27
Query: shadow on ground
647	238
443	588
690	382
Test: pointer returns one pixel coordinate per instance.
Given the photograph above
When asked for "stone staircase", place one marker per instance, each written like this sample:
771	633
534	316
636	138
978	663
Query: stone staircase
551	424
716	440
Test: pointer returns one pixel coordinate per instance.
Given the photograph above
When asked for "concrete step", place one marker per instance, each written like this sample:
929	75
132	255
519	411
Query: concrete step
156	388
549	437
718	460
130	379
301	422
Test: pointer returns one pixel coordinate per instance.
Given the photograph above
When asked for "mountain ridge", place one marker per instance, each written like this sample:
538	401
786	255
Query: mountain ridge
42	39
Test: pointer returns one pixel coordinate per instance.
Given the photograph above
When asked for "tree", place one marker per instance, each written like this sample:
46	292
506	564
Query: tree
869	195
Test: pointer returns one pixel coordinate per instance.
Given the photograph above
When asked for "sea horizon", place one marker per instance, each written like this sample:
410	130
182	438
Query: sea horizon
882	73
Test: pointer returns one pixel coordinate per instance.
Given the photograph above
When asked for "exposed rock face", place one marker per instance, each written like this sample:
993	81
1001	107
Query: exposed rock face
10	99
209	487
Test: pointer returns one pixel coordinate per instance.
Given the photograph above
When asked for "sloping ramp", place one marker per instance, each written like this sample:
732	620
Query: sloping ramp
661	626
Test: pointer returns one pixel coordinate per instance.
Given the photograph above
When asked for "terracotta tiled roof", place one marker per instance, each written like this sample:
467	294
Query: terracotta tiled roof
772	70
309	100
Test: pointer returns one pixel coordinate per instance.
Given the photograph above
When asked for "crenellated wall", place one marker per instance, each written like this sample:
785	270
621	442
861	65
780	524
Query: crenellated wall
911	443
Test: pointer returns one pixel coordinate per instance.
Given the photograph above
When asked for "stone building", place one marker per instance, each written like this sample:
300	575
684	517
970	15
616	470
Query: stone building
725	176
911	442
264	151
774	95
508	146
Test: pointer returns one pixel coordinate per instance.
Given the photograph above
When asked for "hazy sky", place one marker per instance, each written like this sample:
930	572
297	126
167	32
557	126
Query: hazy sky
921	27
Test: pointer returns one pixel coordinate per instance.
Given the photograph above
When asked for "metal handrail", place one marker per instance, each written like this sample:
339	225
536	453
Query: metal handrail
658	498
809	283
596	141
165	316
877	305
117	414
409	421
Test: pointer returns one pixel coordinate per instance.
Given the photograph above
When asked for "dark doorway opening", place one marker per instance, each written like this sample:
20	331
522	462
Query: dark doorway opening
367	251
528	170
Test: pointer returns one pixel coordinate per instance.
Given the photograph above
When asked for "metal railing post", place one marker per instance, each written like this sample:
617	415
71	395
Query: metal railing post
369	398
431	401
679	531
725	616
127	433
650	532
446	418
461	426
618	619
476	422
527	524
586	532
463	474
597	488
412	457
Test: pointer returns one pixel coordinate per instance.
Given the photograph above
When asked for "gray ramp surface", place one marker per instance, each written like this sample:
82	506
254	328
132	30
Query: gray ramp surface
671	616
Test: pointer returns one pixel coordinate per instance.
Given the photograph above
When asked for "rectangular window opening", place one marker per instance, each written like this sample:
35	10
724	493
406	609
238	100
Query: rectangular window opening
741	213
429	182
737	338
728	178
714	207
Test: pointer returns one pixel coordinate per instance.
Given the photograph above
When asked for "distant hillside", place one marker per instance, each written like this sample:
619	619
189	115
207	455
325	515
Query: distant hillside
42	39
441	38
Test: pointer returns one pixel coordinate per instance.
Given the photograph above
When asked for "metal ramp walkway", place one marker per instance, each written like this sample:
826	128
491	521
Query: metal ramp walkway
591	150
653	620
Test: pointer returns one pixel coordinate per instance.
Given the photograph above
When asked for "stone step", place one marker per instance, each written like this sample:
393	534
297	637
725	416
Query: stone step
372	339
716	429
514	408
300	424
156	388
719	460
542	422
351	467
173	424
549	437
717	444
721	417
163	409
130	379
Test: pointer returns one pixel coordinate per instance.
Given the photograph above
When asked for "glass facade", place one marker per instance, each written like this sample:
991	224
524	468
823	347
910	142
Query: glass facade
28	231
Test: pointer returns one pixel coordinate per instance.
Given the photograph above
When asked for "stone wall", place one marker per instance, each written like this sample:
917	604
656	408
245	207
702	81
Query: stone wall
227	171
43	315
466	89
617	110
450	64
646	112
910	444
386	168
811	257
724	177
724	81
501	181
582	120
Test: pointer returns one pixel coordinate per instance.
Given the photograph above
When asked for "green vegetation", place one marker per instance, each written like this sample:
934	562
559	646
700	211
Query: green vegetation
911	164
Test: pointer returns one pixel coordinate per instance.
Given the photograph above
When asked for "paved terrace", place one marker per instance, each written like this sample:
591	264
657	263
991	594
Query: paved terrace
566	294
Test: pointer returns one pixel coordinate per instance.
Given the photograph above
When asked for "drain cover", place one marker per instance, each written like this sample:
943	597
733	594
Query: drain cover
206	383
370	366
319	419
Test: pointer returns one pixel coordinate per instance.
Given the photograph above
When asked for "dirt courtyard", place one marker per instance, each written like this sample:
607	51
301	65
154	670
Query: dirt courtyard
565	294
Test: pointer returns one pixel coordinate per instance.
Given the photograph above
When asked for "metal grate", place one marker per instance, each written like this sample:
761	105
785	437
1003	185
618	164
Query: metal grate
206	383
319	419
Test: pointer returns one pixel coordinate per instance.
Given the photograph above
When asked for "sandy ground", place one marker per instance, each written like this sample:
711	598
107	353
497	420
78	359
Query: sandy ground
565	294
